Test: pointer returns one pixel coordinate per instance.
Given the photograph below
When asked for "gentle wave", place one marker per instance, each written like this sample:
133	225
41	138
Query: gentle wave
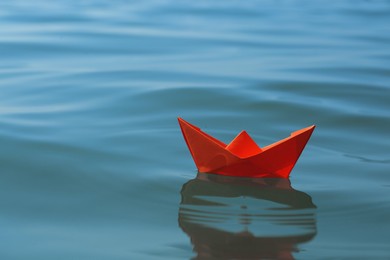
92	158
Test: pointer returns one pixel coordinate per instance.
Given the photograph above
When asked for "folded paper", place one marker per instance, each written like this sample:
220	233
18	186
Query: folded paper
243	157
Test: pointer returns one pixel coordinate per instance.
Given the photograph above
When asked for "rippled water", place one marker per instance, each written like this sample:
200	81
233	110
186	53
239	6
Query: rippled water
93	164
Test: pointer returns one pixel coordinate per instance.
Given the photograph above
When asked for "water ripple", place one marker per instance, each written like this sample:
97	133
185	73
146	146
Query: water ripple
91	151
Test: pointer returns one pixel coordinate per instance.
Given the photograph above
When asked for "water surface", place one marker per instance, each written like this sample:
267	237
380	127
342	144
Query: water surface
92	161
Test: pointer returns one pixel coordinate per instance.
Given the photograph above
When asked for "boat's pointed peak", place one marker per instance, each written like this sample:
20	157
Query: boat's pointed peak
306	129
243	145
183	122
189	129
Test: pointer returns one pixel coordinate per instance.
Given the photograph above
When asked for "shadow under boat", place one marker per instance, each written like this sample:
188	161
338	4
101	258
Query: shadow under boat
243	218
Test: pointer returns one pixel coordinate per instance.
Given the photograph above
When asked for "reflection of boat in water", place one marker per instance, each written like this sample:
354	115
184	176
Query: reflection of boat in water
235	218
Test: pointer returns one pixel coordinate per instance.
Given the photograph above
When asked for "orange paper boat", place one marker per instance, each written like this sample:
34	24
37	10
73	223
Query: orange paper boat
243	157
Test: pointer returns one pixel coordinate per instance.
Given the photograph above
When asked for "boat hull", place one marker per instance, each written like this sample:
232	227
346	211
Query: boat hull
274	161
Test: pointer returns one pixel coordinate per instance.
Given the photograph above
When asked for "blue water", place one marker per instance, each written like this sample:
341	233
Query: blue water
92	161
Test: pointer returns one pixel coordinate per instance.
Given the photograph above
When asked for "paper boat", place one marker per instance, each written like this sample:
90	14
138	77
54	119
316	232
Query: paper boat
243	157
